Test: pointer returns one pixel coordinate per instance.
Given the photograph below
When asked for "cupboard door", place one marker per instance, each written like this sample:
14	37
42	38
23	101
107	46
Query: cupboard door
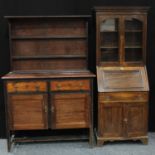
134	44
108	43
70	110
110	119
136	119
28	112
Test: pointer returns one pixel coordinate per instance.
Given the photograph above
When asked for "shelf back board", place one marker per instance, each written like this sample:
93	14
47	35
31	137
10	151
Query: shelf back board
49	42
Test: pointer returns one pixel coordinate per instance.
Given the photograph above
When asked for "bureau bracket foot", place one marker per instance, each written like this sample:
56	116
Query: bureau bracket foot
144	141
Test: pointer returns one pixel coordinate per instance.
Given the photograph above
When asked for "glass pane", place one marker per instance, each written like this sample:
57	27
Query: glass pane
133	54
133	40
109	54
133	24
109	40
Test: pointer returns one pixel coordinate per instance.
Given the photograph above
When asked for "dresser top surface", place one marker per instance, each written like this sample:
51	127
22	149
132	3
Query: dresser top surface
46	75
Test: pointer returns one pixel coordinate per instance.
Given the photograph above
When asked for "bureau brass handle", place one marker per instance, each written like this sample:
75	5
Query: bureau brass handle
107	97
59	86
125	120
52	109
45	108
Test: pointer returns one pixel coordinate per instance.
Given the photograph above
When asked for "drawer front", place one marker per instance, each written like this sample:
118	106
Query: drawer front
123	97
27	86
67	85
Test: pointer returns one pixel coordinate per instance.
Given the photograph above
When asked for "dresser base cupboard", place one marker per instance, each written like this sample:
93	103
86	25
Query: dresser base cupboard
49	106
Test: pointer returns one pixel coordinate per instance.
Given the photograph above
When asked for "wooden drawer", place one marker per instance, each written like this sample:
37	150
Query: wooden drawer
123	97
27	86
67	85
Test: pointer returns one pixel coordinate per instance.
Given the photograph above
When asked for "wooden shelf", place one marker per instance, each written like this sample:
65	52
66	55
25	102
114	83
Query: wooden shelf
50	138
49	57
103	47
133	46
48	37
109	31
133	30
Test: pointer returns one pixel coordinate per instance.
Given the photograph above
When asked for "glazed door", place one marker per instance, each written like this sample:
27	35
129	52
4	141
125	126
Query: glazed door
110	119
28	112
134	39
136	119
108	43
70	110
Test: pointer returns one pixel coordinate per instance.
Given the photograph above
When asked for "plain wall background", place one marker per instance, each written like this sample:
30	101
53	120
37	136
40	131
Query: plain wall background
69	7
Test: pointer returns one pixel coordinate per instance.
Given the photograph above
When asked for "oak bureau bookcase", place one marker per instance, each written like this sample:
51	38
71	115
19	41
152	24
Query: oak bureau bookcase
50	86
121	34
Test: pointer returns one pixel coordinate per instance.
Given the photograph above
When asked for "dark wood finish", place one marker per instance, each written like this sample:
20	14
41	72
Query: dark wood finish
43	74
51	138
60	64
110	120
70	85
114	79
70	110
43	47
49	68
30	86
123	97
64	41
136	119
123	118
28	112
121	34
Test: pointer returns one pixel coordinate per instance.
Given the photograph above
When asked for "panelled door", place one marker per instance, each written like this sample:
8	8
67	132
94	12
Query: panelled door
70	110
110	119
28	112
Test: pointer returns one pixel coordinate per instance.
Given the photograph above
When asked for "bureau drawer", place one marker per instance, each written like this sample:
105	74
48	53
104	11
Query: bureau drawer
27	86
123	97
66	85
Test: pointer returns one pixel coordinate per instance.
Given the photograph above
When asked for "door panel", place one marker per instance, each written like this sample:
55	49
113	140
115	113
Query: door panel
28	112
110	120
70	110
133	39
136	116
109	39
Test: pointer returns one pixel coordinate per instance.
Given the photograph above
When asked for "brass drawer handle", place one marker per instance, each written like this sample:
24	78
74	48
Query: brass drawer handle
81	84
125	120
37	88
108	98
58	86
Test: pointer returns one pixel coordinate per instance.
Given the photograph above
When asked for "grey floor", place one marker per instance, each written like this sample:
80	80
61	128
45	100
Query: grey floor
81	148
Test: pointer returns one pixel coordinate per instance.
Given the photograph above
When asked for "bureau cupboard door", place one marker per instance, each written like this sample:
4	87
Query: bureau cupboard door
110	117
70	110
136	119
28	112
